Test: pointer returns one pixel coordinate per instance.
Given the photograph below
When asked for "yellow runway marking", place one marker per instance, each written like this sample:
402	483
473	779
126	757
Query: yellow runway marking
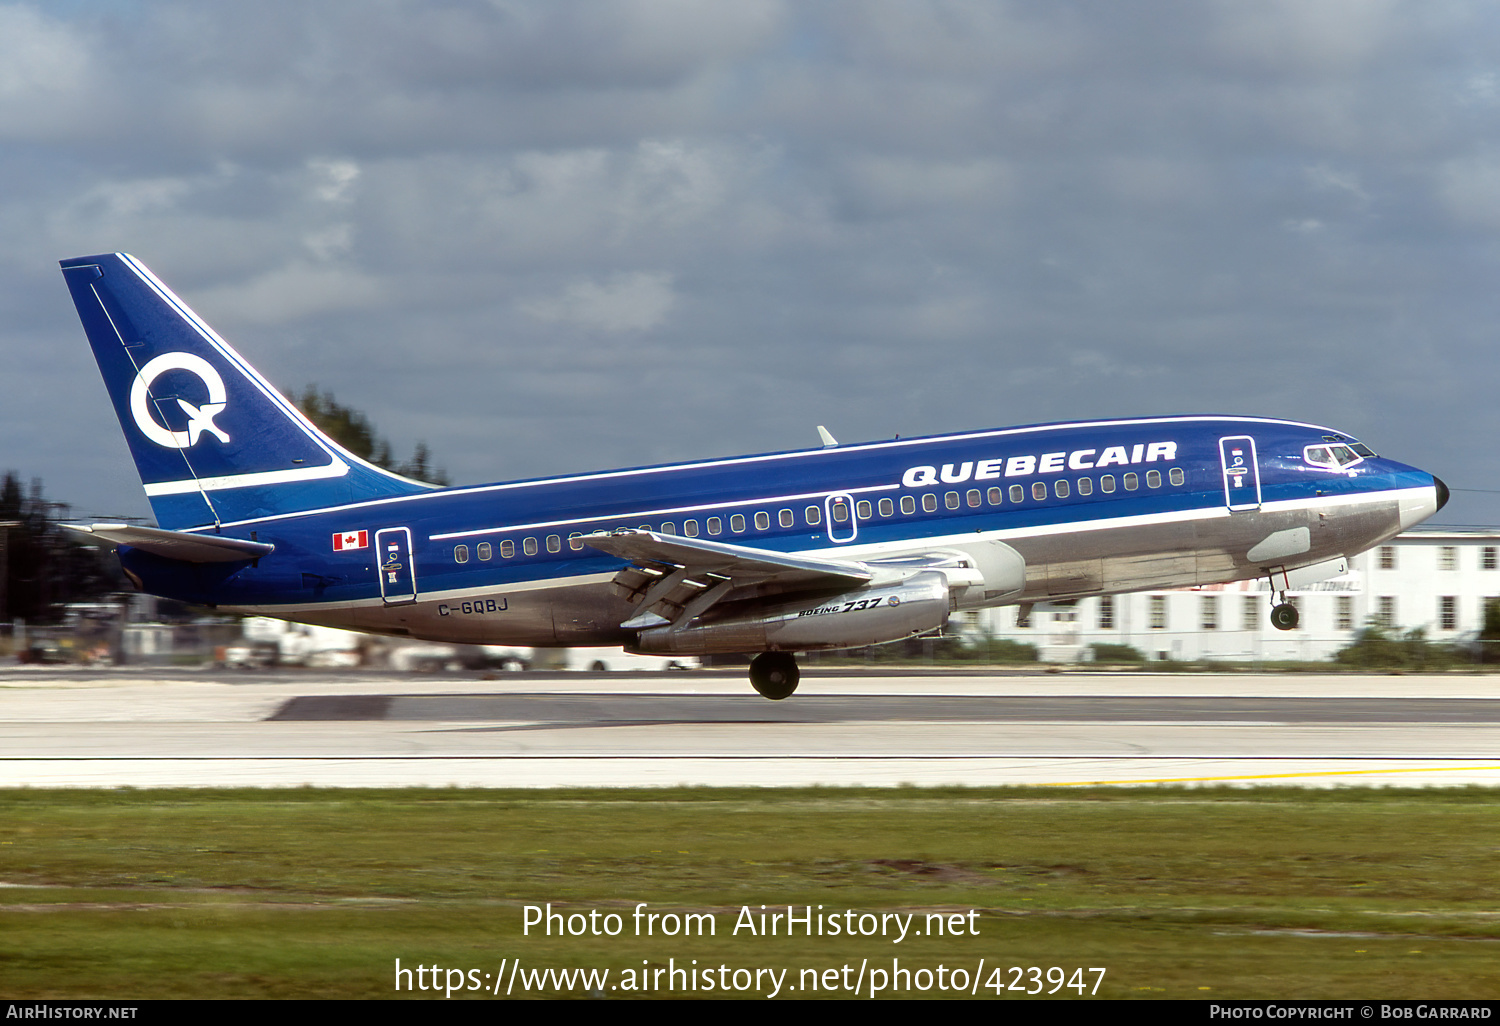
1269	776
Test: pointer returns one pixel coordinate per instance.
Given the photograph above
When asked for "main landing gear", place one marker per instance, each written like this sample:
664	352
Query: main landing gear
775	674
1284	615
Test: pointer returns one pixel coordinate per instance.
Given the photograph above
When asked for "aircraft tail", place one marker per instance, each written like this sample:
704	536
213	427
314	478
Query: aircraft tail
213	441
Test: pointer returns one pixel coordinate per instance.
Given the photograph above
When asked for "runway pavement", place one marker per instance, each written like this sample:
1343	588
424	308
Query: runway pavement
222	728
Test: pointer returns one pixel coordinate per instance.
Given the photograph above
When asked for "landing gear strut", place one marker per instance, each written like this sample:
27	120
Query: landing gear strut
774	674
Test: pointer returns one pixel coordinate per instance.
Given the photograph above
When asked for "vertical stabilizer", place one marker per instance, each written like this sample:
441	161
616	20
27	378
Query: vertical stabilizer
213	441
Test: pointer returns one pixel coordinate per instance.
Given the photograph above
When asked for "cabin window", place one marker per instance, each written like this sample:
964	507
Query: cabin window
1061	489
762	521
575	542
484	551
1017	493
669	528
690	528
1107	483
908	504
813	515
554	543
507	549
1038	490
951	500
1153	479
862	509
887	507
715	525
1132	481
529	546
995	495
737	523
786	518
1085	486
840	511
1176	476
461	553
929	503
973	497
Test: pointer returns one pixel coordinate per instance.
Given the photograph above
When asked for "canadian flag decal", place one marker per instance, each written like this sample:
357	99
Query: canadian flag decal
351	540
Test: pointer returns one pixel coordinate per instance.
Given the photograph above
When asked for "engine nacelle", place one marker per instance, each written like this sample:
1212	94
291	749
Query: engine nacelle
871	615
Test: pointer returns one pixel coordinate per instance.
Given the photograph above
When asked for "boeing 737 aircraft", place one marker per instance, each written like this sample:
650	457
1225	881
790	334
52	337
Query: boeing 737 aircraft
835	547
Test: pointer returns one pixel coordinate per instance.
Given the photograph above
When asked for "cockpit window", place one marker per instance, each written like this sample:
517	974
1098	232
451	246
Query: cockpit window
1332	457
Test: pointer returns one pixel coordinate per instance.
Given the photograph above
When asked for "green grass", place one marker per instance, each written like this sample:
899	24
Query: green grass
1178	893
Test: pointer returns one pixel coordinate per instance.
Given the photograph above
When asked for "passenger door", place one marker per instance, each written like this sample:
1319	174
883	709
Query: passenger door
1241	473
398	574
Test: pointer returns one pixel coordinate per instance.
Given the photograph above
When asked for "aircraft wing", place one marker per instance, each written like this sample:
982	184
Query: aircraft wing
674	578
190	548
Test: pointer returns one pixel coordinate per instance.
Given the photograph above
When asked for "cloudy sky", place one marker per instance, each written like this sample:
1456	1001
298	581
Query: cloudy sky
561	236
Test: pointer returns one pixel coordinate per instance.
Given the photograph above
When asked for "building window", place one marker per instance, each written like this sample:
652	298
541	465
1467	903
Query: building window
1158	612
1210	612
1344	613
1107	613
1448	557
1387	557
1385	615
1251	615
1448	613
1487	559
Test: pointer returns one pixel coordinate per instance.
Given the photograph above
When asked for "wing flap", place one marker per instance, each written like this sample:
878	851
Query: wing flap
673	579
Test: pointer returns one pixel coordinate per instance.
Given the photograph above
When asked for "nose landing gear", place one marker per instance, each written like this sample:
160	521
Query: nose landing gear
774	674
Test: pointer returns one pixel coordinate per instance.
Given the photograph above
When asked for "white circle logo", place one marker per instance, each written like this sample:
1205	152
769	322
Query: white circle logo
200	418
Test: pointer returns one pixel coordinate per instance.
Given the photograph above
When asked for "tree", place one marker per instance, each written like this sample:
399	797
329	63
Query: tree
353	431
44	565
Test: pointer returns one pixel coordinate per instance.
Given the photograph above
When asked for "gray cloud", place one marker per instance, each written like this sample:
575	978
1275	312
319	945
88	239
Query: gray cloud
559	236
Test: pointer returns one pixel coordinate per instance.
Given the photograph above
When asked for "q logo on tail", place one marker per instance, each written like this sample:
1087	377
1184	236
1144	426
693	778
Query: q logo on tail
200	418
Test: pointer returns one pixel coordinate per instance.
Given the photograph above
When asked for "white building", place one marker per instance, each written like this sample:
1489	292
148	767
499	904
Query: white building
1436	579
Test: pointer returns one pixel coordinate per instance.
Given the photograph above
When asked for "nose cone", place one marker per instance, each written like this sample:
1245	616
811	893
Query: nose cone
1422	503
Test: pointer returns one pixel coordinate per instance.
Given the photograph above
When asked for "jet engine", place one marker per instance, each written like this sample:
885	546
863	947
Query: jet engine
870	615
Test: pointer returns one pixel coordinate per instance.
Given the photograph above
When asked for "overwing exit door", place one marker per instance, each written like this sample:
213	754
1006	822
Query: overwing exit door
398	574
1241	473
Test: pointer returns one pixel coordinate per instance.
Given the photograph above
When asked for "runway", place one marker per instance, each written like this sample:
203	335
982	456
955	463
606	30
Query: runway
69	728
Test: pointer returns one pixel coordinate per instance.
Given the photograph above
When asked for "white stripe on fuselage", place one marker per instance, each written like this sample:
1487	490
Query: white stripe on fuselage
875	550
610	475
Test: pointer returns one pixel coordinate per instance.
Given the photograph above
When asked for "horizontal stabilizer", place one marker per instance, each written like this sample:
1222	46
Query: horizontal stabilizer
189	548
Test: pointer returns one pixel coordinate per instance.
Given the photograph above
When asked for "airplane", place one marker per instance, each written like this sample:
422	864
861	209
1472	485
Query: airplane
838	546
